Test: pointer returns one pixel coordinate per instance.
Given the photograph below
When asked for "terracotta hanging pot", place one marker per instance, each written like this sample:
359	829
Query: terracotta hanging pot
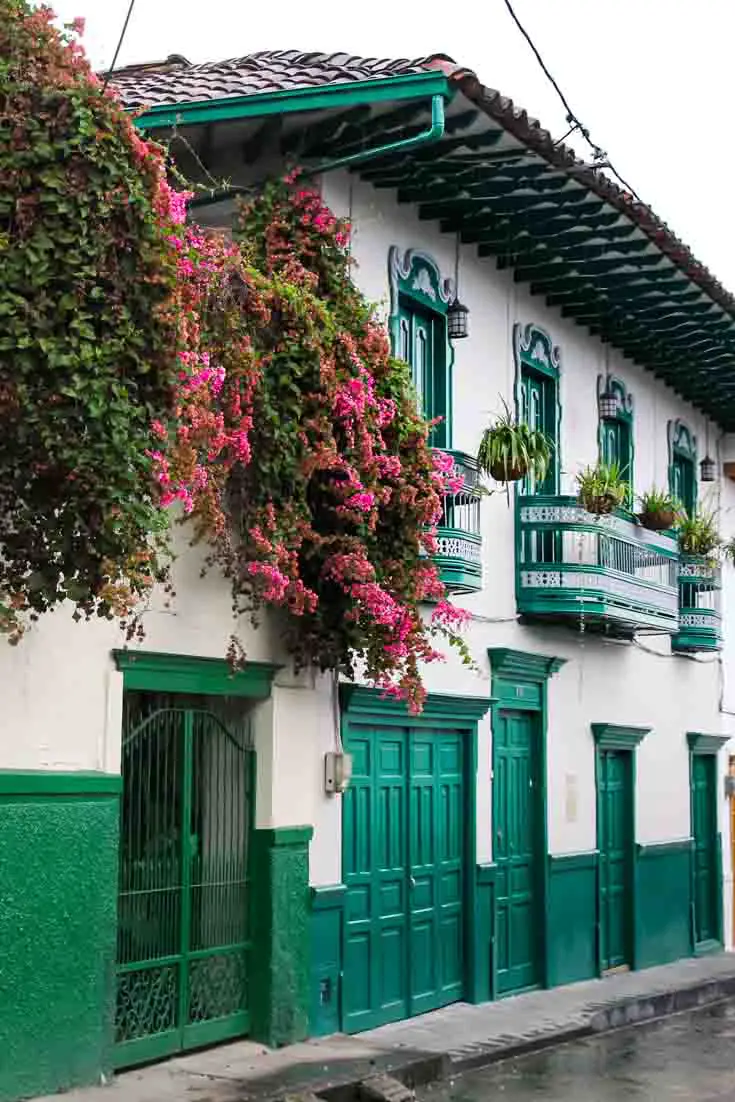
658	520
510	473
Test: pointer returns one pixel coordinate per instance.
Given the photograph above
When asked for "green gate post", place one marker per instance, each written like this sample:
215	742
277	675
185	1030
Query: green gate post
280	917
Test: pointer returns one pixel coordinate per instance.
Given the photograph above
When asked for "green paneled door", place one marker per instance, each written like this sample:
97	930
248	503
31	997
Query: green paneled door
403	867
615	842
704	828
517	850
183	931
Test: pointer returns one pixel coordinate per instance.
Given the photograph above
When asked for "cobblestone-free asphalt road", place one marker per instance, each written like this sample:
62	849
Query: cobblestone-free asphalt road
688	1057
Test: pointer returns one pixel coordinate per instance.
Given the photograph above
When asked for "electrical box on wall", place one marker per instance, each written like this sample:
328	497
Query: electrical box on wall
337	771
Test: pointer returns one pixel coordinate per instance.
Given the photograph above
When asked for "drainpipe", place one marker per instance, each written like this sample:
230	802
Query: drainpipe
434	133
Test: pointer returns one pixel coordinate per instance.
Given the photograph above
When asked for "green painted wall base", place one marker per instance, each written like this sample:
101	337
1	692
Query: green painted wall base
663	903
58	901
571	934
279	980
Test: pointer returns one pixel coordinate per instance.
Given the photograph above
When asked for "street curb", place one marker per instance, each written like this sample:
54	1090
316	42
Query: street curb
599	1018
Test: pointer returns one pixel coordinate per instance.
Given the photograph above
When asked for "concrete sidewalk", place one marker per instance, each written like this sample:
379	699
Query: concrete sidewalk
419	1050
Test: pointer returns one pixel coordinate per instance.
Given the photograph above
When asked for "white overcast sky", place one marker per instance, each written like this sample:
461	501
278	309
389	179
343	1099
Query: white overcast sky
651	79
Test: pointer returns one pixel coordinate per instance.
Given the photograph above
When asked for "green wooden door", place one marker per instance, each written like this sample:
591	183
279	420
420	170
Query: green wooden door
183	931
616	448
704	829
517	850
615	842
404	870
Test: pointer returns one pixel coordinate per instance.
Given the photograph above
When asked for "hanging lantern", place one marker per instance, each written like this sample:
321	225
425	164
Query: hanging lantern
607	405
457	320
707	469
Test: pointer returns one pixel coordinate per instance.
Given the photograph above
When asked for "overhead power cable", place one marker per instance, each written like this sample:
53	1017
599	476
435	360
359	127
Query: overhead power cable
600	156
108	74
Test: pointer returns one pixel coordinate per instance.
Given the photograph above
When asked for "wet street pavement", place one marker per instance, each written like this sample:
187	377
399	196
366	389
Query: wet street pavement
688	1057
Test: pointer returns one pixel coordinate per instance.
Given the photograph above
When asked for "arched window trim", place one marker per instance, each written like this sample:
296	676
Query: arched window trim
624	415
416	280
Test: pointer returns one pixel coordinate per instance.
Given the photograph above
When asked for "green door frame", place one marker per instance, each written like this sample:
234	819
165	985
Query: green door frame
612	736
519	682
700	743
460	713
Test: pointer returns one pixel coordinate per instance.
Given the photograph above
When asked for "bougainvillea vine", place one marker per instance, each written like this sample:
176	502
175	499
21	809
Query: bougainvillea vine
88	333
297	449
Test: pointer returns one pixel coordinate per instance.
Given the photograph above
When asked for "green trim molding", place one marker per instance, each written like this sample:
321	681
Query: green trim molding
411	86
58	923
571	918
662	928
439	708
280	922
153	671
700	743
51	783
615	736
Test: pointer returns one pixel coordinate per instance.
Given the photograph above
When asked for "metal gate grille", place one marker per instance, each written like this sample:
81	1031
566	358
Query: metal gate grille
183	888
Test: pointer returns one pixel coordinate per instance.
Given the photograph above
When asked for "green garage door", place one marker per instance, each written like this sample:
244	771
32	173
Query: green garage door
403	866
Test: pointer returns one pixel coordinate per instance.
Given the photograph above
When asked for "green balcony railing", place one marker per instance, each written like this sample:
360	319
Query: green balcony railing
605	573
459	542
700	623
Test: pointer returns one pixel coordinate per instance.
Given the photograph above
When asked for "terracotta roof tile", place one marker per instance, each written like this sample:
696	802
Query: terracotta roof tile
176	80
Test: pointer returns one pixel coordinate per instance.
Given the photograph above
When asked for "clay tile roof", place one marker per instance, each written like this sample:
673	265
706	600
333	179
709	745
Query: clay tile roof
178	81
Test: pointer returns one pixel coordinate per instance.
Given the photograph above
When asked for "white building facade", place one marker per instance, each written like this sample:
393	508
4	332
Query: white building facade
557	812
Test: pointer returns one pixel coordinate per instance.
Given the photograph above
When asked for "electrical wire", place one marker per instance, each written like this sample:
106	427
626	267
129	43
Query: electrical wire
108	74
572	118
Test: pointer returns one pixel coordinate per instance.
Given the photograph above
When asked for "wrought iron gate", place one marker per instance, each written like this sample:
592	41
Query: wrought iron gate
183	884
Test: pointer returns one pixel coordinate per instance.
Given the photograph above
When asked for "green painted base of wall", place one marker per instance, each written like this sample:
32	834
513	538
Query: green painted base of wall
663	904
572	919
279	980
58	904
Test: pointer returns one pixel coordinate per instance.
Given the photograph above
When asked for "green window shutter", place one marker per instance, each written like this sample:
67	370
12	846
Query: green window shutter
683	464
419	335
615	434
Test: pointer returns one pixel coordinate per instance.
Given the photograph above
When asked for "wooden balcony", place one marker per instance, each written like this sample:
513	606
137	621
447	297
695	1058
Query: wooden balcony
459	550
700	621
596	573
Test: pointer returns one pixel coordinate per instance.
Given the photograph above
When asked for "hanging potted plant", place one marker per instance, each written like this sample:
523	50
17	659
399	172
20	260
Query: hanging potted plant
510	450
659	510
601	488
699	535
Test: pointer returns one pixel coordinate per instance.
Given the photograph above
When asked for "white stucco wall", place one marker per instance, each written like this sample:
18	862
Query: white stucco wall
62	698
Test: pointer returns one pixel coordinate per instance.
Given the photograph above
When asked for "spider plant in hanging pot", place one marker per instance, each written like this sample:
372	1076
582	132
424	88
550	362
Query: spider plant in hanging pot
601	489
659	510
511	450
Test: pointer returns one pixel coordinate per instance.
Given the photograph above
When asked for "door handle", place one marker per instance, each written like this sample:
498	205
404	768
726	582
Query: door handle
499	836
412	882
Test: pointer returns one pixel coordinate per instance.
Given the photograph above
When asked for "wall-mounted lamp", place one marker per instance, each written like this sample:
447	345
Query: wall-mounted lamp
457	320
607	405
707	469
